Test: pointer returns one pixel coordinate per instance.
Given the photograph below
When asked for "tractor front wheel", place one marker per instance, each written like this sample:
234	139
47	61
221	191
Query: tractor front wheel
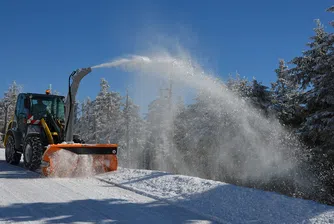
32	153
12	157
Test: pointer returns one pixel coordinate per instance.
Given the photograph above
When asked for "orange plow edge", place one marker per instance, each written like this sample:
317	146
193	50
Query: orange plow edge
104	157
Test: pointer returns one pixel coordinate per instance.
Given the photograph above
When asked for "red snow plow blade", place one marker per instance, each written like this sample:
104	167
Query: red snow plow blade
102	158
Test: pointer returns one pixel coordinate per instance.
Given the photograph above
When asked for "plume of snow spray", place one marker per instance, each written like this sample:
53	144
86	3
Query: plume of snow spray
133	62
266	155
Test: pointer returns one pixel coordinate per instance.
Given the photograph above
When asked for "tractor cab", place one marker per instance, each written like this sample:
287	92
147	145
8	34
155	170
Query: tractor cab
34	109
40	106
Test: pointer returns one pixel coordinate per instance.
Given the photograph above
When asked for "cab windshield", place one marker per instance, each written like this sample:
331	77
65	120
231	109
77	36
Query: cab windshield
53	105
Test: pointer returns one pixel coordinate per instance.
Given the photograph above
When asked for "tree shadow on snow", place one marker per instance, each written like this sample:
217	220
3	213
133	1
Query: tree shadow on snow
234	204
96	211
8	171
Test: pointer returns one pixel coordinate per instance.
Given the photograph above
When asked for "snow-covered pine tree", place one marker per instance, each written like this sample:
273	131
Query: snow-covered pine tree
2	115
101	111
204	130
253	92
286	97
87	122
180	126
197	128
260	96
84	117
134	136
7	107
239	86
314	71
77	112
108	114
156	127
2	122
115	129
9	102
160	148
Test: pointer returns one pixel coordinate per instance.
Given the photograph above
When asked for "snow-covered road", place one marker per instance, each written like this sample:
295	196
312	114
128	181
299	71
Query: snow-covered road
142	196
25	197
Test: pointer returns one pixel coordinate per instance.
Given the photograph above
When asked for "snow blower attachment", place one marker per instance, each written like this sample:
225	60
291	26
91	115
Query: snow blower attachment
103	158
43	126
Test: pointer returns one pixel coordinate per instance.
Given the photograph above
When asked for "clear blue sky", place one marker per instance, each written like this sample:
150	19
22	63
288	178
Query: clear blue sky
42	42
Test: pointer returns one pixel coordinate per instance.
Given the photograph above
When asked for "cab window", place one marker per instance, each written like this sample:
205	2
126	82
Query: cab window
20	111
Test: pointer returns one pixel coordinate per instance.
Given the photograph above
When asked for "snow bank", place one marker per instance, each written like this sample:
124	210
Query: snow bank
224	202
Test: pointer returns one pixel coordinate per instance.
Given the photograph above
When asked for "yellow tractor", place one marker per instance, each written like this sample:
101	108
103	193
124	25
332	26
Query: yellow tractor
43	125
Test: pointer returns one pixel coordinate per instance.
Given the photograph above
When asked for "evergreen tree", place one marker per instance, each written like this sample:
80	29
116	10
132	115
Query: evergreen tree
76	112
314	71
108	114
85	126
253	92
159	149
239	86
9	103
7	107
286	97
156	127
2	115
2	122
260	96
133	139
199	126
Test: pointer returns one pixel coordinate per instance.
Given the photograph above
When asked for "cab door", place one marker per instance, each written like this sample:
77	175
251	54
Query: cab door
21	115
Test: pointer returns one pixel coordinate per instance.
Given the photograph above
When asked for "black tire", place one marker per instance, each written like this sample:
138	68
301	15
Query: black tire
12	157
32	153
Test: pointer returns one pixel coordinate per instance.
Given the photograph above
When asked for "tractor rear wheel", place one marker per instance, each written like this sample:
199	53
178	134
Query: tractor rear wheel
32	153
12	157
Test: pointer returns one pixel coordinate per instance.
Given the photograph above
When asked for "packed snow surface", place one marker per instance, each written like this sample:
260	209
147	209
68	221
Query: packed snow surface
142	196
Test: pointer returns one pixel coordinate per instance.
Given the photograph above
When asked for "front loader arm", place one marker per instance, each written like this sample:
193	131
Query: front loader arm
76	76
